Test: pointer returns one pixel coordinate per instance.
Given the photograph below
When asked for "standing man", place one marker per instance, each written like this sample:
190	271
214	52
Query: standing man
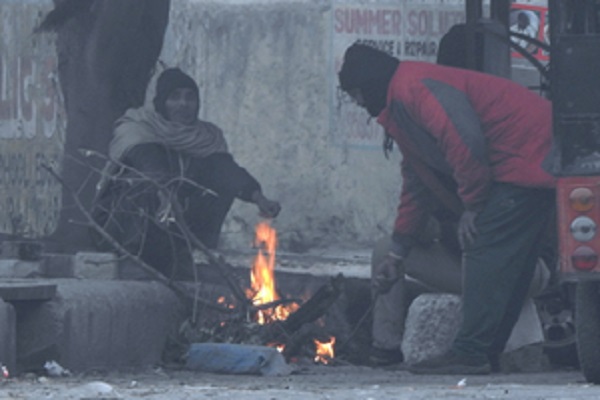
489	137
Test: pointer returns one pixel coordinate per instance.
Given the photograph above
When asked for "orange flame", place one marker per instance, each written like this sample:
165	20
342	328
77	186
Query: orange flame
324	351
280	347
262	277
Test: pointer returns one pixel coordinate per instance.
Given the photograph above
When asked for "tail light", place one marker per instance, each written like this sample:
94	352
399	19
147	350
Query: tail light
583	229
581	199
578	218
584	258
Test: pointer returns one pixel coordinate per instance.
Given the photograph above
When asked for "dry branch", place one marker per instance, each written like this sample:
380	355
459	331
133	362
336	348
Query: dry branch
177	288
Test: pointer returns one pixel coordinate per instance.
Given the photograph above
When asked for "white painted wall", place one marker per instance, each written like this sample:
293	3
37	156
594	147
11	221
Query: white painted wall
267	71
32	124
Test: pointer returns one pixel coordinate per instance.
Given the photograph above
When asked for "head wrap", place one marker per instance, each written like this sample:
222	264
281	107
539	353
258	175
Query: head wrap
169	80
371	71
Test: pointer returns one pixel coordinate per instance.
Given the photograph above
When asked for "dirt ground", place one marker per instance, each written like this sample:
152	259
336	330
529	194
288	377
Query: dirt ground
309	382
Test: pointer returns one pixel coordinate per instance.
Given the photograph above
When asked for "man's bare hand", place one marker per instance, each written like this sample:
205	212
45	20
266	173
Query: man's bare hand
267	208
466	228
386	274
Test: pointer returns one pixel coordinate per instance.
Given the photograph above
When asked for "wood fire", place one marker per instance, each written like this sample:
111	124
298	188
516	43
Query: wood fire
324	351
263	288
264	291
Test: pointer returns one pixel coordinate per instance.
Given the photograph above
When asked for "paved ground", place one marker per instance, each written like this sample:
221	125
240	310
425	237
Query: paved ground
313	382
338	382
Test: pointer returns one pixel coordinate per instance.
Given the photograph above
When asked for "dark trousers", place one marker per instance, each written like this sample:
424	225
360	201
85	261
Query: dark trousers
128	213
499	265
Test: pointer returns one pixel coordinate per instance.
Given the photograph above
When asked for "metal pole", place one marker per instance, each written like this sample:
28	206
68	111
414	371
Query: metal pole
474	11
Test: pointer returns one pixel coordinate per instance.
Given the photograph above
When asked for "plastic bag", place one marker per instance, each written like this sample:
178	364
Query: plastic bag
227	358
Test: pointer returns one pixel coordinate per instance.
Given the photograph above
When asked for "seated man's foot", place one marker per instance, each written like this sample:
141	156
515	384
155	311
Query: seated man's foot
452	363
384	357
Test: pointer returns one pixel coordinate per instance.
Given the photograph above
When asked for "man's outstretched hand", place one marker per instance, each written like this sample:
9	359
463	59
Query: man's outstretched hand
267	208
386	274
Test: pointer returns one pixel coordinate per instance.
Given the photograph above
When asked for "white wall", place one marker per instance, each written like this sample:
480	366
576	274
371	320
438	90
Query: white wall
31	121
267	72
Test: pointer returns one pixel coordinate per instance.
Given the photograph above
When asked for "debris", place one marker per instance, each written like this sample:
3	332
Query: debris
227	358
95	390
54	369
462	383
4	370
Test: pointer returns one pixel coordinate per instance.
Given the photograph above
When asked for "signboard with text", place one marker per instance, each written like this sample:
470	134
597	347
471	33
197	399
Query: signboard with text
409	30
31	121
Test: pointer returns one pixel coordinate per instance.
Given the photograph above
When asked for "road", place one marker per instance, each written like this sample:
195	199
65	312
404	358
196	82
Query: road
311	382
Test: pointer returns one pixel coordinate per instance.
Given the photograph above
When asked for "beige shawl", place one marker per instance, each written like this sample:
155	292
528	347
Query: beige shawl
142	125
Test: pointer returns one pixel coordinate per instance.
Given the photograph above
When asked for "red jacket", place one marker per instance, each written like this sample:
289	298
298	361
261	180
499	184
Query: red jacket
469	126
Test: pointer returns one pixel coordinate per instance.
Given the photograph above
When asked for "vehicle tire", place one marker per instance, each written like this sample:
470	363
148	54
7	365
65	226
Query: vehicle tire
587	329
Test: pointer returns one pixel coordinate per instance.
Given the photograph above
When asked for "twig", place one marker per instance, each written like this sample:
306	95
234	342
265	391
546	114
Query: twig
223	268
358	325
177	288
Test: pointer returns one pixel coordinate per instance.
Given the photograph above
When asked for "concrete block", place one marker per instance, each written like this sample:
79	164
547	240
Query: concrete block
21	250
20	269
57	265
90	265
8	337
97	325
431	324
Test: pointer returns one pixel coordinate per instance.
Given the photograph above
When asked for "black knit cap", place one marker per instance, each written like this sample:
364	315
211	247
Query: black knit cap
370	70
169	80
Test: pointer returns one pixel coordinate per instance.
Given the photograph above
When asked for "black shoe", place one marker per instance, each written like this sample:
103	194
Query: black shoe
451	363
383	357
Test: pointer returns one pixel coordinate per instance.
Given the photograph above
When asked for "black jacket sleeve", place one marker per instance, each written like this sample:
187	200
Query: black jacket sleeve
218	172
222	174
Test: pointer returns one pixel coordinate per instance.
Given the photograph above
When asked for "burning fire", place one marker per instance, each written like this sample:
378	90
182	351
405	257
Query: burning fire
324	351
263	290
262	277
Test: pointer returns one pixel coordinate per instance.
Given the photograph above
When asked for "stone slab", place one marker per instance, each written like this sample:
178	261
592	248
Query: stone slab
431	324
26	289
21	250
92	265
15	268
82	265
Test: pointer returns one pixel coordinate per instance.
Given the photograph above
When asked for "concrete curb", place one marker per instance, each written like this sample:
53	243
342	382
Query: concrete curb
97	325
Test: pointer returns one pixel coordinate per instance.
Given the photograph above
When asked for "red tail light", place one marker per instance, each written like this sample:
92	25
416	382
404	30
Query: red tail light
584	258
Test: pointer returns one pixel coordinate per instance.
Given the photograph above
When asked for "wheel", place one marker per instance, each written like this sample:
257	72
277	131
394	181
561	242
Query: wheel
587	329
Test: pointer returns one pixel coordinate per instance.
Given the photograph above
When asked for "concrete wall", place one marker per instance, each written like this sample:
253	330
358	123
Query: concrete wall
31	121
267	71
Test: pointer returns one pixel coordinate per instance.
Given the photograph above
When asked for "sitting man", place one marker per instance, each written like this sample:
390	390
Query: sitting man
165	151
